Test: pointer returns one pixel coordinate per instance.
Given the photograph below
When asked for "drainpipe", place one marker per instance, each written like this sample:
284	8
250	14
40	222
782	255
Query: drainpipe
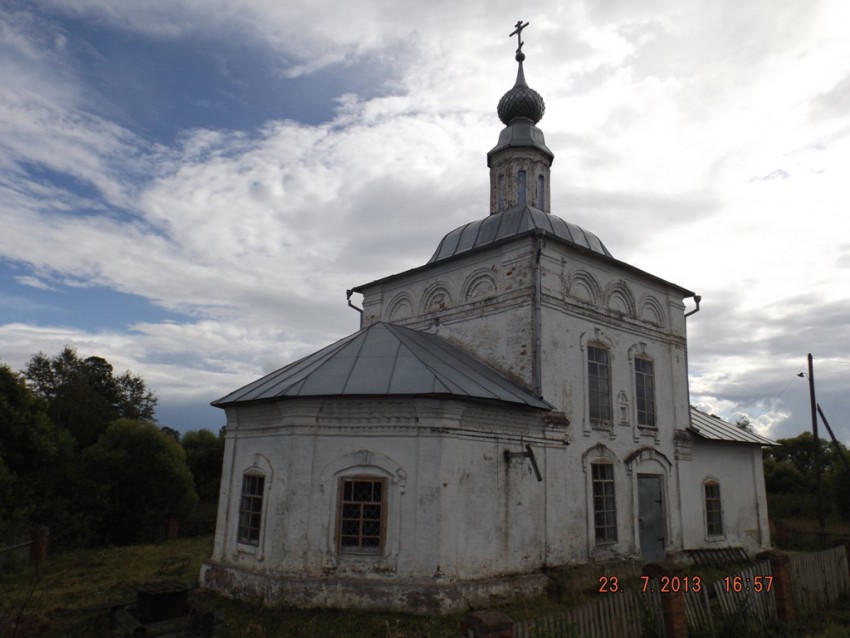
348	294
538	320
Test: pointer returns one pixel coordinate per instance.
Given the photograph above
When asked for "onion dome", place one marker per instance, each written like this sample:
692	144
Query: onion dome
521	100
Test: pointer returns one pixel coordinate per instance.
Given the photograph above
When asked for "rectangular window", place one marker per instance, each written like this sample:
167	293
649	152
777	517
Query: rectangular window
251	509
599	382
541	192
520	187
362	515
645	390
713	515
604	506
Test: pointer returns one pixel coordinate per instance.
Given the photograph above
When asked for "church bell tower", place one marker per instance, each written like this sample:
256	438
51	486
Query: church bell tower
520	161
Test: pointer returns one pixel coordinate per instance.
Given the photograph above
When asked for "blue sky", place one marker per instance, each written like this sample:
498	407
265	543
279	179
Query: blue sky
187	188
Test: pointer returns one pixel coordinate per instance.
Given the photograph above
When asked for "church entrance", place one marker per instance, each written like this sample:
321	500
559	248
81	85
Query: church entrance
650	518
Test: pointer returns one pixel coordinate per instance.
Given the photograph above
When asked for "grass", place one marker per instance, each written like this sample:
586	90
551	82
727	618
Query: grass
71	594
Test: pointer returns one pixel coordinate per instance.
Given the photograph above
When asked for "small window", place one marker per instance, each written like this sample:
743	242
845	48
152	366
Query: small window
541	192
362	515
645	391
604	505
251	509
520	187
501	193
599	382
713	514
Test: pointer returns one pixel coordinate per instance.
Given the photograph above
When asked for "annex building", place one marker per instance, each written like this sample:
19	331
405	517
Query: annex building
517	403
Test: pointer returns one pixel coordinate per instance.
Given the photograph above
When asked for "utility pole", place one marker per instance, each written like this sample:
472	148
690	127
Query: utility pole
818	483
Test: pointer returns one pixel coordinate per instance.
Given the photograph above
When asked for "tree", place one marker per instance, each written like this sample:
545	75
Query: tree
204	456
84	396
31	449
136	478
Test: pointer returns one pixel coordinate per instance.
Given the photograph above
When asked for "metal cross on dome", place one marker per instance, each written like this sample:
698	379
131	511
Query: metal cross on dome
518	33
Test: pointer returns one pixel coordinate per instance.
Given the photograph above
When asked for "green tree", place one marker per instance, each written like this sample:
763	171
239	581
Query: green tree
84	396
31	451
204	456
136	478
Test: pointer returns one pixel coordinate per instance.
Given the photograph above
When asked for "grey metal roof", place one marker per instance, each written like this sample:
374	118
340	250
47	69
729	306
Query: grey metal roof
514	222
386	360
714	428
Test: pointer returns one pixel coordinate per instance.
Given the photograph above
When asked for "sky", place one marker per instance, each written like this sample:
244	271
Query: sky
188	187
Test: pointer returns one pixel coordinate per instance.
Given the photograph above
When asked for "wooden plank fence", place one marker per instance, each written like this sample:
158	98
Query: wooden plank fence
747	609
622	614
818	579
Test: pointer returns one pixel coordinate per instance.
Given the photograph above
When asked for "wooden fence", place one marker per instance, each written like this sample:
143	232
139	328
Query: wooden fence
818	579
622	614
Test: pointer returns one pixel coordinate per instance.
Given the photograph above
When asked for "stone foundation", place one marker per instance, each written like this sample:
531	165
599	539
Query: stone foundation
423	597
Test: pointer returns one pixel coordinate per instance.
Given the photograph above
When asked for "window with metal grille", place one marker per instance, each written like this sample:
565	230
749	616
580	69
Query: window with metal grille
604	505
599	384
362	515
645	391
713	514
251	509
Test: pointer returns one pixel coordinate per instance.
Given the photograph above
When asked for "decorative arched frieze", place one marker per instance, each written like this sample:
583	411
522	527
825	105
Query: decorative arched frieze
436	298
481	284
400	308
651	311
648	459
360	459
582	286
597	453
619	298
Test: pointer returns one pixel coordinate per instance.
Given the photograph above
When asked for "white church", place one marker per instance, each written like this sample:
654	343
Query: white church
517	404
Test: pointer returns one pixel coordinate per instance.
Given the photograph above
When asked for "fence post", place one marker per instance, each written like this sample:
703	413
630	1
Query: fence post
487	624
39	534
781	570
672	602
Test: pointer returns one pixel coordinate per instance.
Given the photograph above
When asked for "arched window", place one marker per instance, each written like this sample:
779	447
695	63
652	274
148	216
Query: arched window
645	391
604	503
713	511
251	508
599	383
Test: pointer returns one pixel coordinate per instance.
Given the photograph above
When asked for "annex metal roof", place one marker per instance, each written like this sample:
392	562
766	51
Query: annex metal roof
386	360
513	222
713	428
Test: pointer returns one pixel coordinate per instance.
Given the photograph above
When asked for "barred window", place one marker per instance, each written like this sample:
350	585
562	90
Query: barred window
713	514
599	383
361	519
251	509
645	391
604	505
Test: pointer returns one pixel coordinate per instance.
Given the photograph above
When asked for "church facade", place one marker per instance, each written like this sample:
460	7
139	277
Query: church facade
518	403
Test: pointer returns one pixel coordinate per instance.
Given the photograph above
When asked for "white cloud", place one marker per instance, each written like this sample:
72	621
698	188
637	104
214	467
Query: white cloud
702	143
